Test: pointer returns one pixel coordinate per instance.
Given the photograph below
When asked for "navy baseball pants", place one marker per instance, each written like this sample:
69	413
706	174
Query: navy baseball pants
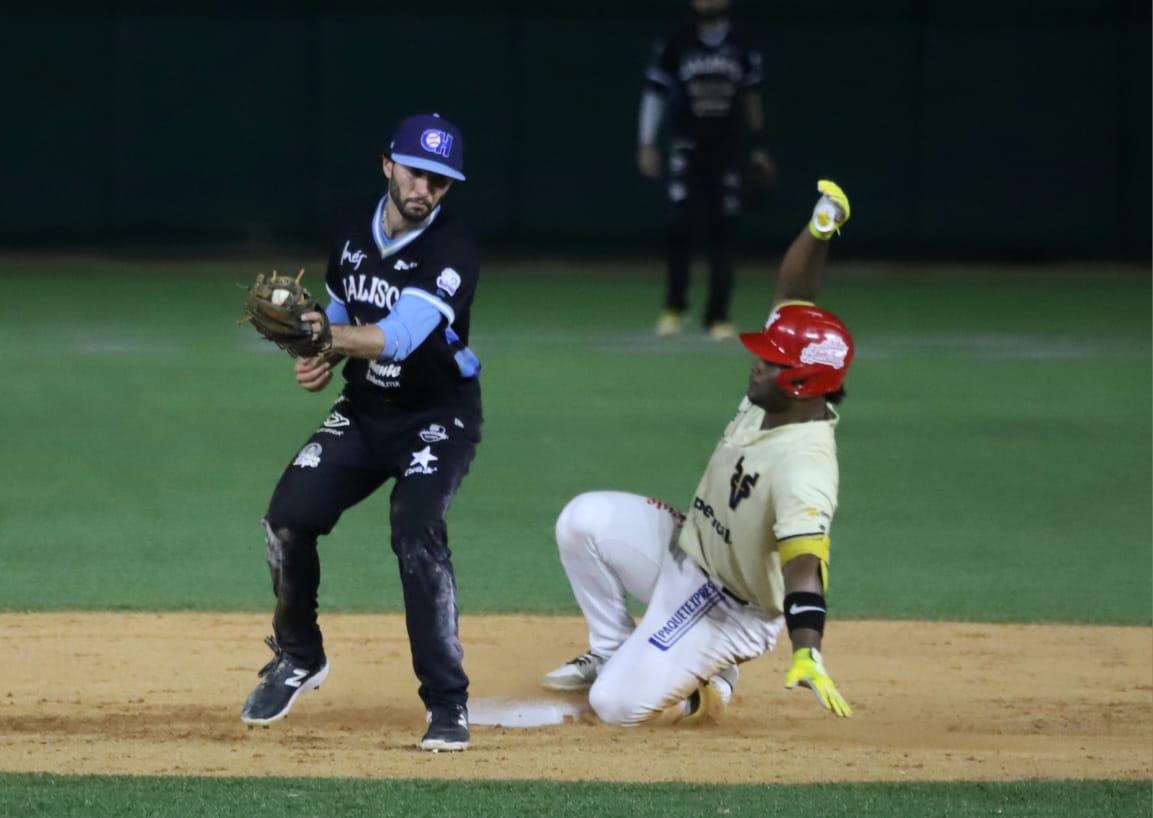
702	188
427	453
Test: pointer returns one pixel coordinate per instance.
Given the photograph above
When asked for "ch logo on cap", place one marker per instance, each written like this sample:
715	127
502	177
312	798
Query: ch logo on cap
435	141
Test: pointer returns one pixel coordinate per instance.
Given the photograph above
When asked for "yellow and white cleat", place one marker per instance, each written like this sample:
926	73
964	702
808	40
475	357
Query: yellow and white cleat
711	700
669	324
722	331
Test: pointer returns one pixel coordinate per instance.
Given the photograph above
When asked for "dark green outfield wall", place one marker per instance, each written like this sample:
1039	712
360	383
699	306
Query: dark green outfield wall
959	126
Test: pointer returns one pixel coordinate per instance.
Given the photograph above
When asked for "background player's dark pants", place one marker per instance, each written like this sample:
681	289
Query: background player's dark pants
353	461
701	192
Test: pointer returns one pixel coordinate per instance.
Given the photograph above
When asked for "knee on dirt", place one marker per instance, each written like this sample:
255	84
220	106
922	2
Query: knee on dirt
613	704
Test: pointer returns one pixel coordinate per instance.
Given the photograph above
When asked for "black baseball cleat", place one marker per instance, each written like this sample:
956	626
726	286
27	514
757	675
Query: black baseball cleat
282	681
447	728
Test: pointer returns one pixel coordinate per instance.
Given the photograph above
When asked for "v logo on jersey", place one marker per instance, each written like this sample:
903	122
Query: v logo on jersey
741	485
297	679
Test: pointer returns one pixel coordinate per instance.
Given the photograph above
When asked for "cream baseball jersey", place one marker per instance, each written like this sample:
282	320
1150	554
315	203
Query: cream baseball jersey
762	488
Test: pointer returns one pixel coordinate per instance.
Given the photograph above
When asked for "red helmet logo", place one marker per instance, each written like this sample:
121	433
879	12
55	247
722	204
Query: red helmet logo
812	343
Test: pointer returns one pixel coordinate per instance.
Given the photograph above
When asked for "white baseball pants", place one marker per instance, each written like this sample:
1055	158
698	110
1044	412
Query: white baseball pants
611	542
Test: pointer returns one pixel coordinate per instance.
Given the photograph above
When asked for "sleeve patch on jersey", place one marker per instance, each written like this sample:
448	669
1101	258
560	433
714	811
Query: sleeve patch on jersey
448	280
792	548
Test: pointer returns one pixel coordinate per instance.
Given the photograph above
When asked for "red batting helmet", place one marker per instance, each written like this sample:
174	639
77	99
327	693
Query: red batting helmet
813	343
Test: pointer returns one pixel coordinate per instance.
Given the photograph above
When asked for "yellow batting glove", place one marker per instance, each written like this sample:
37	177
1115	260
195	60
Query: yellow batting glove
809	671
831	212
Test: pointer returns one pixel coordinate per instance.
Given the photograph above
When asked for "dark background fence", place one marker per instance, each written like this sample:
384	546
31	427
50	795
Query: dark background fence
961	127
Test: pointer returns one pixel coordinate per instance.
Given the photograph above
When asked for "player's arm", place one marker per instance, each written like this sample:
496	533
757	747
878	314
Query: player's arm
659	81
804	502
805	611
754	111
648	154
393	338
352	341
803	267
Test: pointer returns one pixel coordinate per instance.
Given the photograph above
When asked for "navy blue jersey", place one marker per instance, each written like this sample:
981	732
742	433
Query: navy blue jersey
437	262
704	85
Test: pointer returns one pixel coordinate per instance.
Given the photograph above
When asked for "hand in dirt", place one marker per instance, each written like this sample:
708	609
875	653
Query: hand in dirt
809	671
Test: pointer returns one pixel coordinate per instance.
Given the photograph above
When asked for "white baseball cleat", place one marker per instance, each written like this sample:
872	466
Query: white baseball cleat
575	674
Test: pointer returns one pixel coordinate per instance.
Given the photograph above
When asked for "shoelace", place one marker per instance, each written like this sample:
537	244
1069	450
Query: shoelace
455	713
279	654
584	659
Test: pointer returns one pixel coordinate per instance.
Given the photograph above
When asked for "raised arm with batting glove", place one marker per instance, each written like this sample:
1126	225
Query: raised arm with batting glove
805	569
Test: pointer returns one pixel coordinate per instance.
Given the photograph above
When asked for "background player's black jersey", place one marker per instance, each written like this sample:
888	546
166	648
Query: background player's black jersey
704	86
368	274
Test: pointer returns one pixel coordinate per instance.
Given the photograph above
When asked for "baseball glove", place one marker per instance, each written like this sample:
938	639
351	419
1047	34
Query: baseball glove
275	304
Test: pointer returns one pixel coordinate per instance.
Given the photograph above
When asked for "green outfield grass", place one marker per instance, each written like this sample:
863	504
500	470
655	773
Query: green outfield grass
91	797
995	445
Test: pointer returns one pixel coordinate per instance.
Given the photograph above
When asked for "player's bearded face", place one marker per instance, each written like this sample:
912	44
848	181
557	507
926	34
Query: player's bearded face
416	192
763	389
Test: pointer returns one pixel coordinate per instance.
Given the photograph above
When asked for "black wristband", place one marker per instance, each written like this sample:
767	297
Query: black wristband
805	610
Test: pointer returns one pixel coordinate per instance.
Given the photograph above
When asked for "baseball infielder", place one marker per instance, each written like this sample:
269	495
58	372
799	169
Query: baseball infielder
751	555
401	279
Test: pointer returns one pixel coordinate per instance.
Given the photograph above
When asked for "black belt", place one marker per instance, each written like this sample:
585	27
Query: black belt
731	595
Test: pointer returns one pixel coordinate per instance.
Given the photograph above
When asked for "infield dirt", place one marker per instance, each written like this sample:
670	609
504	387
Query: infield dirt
160	694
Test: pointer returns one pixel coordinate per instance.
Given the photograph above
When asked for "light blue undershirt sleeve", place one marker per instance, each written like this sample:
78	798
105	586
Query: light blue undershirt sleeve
337	313
411	321
466	360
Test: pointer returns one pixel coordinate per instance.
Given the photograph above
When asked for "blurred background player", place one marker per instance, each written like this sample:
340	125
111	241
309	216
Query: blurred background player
750	556
401	279
706	85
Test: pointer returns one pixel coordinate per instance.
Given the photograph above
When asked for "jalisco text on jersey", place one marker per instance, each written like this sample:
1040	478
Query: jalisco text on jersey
370	291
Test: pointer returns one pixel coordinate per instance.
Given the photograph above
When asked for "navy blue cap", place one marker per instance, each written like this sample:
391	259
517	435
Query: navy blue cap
429	142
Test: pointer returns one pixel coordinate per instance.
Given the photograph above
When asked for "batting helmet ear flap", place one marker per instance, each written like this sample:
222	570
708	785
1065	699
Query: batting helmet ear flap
809	381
